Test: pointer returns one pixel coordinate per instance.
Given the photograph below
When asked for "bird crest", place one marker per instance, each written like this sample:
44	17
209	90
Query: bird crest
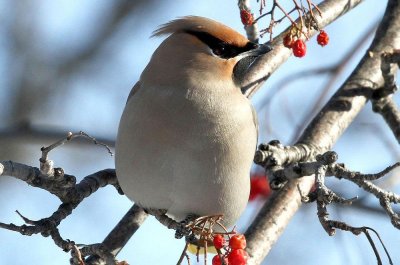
201	24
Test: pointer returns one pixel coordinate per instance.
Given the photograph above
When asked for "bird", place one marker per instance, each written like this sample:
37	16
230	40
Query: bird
187	136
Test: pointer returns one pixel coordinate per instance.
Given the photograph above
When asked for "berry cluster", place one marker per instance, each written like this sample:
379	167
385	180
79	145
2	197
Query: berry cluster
259	187
298	46
234	249
278	12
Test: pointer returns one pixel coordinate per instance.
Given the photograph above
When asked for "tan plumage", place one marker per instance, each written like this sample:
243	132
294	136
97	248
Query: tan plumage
187	136
195	23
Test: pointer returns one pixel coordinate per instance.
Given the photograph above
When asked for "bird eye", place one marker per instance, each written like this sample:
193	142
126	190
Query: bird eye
219	50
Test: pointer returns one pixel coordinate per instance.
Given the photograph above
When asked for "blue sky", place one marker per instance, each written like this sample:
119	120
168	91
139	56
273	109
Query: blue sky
93	99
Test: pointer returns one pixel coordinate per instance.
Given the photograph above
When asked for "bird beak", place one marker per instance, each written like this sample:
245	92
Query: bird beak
247	59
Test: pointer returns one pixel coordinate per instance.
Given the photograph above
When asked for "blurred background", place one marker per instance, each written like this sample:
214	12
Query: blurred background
69	66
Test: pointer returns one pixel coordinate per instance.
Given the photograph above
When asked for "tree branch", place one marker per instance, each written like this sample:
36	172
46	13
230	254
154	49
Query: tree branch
383	102
326	127
265	65
121	234
277	212
65	188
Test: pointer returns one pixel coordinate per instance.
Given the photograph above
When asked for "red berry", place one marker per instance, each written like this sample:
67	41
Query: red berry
246	17
237	242
219	241
217	261
299	48
259	186
288	41
323	38
238	257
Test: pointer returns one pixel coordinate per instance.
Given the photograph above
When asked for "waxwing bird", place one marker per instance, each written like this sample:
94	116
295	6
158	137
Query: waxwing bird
187	136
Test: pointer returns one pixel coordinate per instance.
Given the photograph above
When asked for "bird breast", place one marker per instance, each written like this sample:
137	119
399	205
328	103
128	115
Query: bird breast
188	151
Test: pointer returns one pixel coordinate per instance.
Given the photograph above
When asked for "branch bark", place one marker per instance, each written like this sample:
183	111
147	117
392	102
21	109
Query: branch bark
384	104
326	127
262	68
320	135
121	233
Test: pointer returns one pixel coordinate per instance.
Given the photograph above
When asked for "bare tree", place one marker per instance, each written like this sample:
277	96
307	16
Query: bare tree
297	172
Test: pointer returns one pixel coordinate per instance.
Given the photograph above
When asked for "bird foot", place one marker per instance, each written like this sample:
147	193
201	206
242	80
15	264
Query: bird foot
184	230
199	230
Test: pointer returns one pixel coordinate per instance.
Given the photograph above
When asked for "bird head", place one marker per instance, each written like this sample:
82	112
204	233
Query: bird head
200	52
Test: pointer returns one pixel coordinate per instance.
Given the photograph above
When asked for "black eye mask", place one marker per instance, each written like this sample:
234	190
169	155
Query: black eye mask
221	48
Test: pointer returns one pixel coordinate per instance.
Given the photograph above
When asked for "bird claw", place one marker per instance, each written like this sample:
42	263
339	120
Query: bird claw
184	230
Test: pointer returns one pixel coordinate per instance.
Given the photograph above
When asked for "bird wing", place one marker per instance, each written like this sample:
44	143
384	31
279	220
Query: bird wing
134	89
255	121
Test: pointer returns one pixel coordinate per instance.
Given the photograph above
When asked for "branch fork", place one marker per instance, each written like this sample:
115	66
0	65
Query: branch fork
65	188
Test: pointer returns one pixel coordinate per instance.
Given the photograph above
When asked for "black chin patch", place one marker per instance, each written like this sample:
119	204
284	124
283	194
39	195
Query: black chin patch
241	68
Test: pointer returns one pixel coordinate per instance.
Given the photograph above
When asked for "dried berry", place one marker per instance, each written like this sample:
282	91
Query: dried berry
246	17
288	41
237	242
299	48
217	260
259	186
238	257
219	241
323	38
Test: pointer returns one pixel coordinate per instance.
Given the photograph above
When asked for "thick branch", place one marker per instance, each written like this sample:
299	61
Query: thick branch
390	112
341	110
121	233
383	102
328	126
261	70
